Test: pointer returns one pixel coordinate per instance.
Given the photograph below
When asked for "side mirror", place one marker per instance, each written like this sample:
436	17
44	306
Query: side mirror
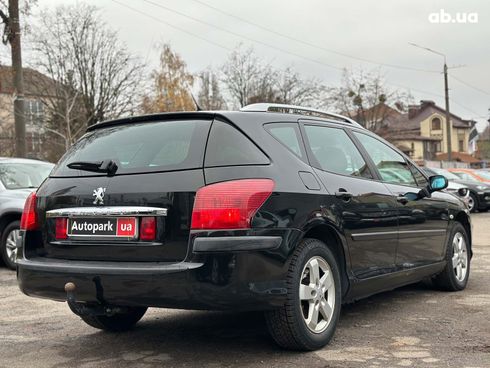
437	182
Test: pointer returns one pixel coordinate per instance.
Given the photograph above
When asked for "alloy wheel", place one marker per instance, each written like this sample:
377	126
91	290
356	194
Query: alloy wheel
471	203
317	294
11	245
460	257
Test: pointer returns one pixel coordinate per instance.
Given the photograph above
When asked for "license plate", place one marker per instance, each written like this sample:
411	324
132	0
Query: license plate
115	227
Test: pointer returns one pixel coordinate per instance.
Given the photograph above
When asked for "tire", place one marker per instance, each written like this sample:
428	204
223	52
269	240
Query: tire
288	325
117	323
7	243
473	199
457	254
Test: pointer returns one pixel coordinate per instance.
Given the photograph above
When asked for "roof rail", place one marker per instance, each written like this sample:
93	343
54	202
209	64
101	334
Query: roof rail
300	110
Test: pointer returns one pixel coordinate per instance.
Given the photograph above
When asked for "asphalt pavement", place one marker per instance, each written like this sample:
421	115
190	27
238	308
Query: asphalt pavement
409	327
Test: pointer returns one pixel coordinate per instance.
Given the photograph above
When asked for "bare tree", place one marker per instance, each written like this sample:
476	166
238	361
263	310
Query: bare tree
246	77
292	89
93	75
364	97
25	10
249	79
209	96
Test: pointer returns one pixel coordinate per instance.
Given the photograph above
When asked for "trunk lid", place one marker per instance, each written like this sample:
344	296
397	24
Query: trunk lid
154	179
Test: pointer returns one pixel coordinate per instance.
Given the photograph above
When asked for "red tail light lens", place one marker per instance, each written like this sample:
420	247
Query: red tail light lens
61	226
28	221
148	230
230	204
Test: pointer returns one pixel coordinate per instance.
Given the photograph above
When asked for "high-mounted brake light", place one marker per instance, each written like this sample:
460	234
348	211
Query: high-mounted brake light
230	204
28	221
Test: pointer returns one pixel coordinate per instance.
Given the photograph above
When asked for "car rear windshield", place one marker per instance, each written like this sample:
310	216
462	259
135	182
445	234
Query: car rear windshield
141	147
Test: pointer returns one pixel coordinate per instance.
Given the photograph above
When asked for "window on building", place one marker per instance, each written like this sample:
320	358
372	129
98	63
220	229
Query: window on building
438	147
436	124
34	110
461	145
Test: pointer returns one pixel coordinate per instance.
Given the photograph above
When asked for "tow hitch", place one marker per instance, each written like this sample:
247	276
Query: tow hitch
83	309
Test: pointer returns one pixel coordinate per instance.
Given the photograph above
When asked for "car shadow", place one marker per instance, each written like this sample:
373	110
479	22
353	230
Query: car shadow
202	338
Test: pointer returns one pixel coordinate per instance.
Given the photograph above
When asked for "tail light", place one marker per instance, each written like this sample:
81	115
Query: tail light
230	204
148	229
61	226
28	221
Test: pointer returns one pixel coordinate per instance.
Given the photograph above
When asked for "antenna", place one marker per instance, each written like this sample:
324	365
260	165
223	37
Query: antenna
198	108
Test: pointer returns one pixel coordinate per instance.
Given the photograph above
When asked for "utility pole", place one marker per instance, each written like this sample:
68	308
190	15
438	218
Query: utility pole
448	114
12	36
446	97
20	125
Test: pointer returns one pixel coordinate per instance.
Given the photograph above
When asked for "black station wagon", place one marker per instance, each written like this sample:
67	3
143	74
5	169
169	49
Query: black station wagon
278	208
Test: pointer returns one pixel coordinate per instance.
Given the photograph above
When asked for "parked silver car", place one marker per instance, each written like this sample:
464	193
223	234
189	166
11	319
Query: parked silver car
466	191
18	178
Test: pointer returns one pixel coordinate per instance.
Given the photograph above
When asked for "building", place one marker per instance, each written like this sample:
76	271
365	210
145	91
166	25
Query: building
421	133
35	86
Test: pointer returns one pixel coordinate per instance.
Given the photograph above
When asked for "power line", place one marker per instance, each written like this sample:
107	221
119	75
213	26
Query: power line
469	85
173	26
309	44
240	35
477	114
253	40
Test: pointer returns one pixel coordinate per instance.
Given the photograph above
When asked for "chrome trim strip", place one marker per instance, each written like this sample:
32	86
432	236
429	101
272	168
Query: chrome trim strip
401	232
107	211
422	231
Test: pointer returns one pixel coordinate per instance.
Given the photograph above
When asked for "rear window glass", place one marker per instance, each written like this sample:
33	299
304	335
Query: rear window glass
141	147
229	147
288	135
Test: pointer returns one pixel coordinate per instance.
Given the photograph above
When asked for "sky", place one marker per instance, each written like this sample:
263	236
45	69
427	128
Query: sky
320	37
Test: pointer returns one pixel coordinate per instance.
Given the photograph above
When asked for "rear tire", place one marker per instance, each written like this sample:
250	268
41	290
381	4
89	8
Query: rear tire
118	322
309	318
8	247
455	275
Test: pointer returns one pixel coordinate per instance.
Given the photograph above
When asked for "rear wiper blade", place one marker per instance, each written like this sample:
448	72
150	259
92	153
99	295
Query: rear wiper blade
105	166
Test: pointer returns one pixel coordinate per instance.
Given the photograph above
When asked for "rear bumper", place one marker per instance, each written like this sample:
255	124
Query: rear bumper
223	274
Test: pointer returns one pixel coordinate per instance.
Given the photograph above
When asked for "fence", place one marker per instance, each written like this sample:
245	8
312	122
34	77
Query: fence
447	164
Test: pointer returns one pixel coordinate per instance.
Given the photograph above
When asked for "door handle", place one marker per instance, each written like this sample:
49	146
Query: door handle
343	194
402	199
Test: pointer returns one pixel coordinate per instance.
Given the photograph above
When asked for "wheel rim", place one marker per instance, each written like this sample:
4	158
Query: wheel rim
317	294
471	203
460	257
11	245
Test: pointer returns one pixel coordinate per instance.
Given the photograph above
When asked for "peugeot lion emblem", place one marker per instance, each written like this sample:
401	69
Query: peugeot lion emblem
99	195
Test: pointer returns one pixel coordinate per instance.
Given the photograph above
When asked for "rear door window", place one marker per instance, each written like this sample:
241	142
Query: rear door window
332	150
141	147
227	146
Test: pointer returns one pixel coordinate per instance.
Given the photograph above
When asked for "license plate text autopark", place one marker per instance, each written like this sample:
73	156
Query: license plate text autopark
117	227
